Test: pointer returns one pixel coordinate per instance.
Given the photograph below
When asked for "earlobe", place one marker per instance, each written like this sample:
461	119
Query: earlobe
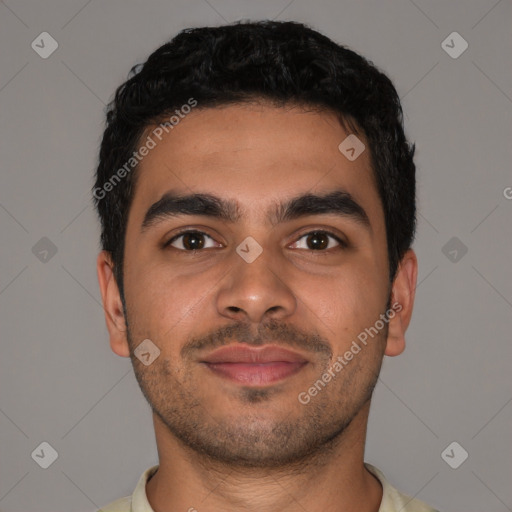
395	343
402	303
112	305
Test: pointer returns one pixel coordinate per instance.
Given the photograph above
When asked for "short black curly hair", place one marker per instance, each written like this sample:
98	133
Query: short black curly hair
286	63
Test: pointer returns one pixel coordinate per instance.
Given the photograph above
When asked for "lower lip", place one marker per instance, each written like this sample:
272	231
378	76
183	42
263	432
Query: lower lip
252	374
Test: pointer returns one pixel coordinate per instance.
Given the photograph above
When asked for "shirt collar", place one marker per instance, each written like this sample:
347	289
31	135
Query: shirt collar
140	501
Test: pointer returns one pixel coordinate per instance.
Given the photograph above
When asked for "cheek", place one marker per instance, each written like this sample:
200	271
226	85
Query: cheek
165	306
347	302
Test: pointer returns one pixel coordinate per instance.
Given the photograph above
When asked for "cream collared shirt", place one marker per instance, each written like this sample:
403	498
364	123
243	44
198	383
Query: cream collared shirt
392	500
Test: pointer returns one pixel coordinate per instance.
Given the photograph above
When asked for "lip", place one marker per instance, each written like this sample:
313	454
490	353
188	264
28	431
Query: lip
254	366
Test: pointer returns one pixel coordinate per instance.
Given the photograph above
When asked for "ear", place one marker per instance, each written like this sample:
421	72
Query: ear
112	305
402	302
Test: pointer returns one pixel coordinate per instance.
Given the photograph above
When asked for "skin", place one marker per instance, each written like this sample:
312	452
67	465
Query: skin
224	446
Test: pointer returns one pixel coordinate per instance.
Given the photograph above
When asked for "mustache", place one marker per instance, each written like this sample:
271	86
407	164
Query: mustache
269	332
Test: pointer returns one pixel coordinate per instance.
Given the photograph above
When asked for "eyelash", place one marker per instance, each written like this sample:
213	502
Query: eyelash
342	243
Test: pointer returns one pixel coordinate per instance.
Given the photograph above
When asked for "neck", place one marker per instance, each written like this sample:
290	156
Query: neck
334	479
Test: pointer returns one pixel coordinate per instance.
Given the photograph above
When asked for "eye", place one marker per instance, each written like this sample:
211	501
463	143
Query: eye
192	240
319	240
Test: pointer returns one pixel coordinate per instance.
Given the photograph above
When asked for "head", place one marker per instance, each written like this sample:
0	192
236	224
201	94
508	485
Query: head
245	120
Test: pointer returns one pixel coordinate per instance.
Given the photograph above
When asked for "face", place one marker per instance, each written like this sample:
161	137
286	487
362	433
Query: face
253	301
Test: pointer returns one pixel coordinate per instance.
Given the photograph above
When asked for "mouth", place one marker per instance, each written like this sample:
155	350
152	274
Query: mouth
254	366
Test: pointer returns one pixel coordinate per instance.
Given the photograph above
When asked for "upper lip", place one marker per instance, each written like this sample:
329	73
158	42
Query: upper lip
246	354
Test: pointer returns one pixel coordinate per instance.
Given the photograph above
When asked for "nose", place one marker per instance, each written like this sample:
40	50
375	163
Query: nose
256	290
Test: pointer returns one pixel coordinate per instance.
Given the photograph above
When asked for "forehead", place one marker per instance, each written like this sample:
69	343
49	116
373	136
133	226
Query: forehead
255	154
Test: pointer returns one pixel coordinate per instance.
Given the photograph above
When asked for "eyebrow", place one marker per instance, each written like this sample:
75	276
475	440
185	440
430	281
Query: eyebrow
172	204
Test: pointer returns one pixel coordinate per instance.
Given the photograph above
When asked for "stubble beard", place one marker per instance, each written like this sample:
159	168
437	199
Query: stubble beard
252	440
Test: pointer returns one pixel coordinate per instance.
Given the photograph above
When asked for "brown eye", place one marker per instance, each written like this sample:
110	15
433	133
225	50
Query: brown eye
190	241
319	241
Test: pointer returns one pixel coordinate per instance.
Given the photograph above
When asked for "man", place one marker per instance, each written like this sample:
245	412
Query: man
257	199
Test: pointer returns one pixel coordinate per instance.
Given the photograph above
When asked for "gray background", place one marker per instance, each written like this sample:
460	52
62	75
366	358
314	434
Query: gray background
59	381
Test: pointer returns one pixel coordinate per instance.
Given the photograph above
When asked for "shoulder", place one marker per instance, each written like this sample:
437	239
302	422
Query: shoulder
393	500
138	501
